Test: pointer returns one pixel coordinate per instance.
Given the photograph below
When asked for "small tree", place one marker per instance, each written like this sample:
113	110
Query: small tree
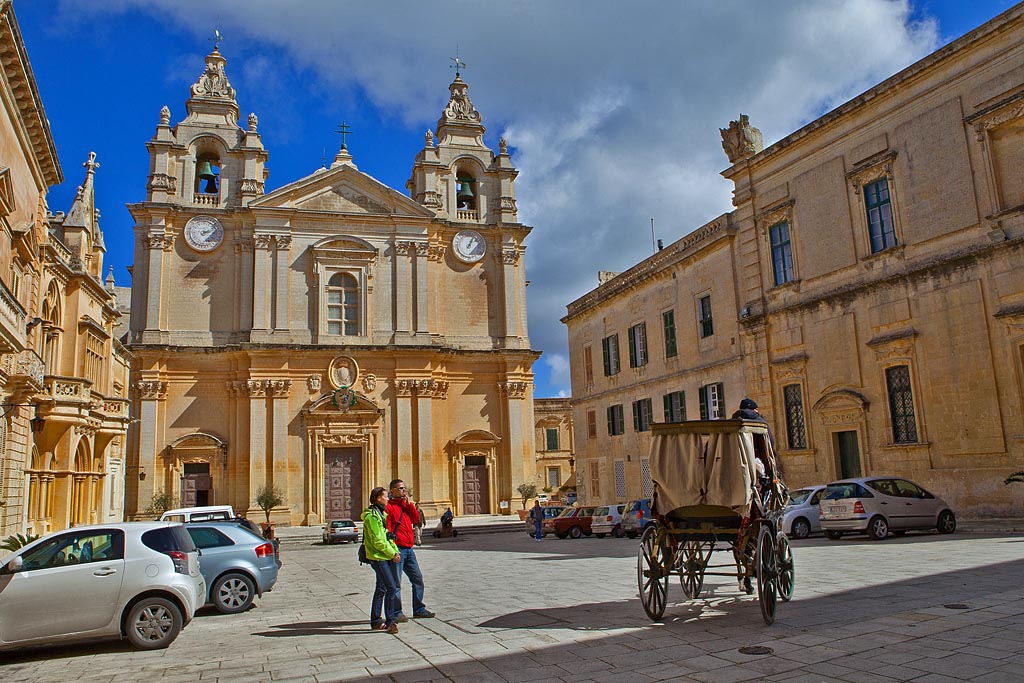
268	498
161	503
527	491
17	541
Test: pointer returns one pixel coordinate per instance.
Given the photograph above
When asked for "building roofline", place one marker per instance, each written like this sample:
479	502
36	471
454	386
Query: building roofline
994	25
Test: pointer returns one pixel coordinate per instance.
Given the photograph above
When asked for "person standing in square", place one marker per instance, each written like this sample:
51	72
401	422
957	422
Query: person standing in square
401	516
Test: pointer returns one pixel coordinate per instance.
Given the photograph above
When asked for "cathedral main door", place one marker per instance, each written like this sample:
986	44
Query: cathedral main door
343	483
474	488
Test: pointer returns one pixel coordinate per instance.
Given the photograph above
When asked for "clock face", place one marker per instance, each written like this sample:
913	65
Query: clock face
469	246
204	233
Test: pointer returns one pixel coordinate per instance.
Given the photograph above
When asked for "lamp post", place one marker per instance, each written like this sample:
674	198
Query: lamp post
37	423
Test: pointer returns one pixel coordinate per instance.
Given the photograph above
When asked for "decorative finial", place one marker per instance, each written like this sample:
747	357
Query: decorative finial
218	38
79	193
165	116
253	122
96	215
457	63
741	140
91	165
110	280
502	145
344	131
428	138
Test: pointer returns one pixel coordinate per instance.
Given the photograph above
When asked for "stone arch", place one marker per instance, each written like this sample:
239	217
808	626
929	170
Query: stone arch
841	415
473	448
209	452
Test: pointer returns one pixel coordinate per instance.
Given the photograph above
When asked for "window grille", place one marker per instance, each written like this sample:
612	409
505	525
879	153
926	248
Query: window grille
795	428
620	479
645	476
901	404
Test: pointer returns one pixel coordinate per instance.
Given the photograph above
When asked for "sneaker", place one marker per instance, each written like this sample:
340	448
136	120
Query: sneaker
425	614
391	628
401	619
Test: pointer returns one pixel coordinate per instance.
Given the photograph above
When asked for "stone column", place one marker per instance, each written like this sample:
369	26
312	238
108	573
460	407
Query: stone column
151	392
402	287
261	282
422	292
509	259
404	389
279	388
282	255
156	244
424	461
244	283
513	393
259	450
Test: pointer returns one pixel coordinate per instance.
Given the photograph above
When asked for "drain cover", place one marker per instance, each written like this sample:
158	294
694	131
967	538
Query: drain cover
956	605
756	650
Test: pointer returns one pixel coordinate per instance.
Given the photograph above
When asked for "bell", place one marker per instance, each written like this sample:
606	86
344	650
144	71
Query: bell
206	173
465	191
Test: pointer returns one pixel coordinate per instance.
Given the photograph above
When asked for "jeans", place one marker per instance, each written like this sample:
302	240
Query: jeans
385	593
411	568
538	530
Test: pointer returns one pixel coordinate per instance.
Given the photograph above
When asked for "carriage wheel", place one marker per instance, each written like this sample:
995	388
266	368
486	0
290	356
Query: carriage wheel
767	579
652	573
786	567
744	559
691	563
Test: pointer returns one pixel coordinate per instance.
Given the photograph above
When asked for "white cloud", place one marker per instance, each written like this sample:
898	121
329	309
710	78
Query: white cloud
613	109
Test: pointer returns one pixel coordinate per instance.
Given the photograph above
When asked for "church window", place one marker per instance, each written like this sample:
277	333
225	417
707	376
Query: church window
466	193
796	430
901	404
782	253
93	358
343	305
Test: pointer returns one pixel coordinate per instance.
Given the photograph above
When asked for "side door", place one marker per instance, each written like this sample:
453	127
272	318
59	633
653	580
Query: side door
217	552
889	503
69	584
923	508
813	512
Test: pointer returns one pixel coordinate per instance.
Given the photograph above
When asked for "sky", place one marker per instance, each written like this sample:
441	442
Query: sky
611	109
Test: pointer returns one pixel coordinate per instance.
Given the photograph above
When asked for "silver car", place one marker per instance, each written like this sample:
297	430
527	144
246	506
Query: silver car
135	580
880	505
608	520
801	517
343	530
237	564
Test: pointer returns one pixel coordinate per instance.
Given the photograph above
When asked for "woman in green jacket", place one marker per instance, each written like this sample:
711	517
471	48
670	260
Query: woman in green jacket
383	555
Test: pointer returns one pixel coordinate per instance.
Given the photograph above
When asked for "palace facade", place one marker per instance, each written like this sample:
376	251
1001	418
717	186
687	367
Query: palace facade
865	291
333	334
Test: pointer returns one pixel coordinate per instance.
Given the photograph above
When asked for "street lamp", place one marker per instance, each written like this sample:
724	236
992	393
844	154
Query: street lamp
37	423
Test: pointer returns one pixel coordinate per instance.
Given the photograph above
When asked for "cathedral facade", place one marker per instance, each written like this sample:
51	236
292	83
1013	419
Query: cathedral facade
330	335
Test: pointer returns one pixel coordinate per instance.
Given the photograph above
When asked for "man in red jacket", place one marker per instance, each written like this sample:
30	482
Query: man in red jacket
401	515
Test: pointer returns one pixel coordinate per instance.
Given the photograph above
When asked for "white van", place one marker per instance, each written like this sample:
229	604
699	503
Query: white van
205	513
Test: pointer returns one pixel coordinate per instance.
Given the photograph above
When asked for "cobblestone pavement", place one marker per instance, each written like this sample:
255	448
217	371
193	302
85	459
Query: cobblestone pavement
923	608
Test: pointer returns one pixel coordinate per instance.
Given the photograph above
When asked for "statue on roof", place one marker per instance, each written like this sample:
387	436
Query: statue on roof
741	140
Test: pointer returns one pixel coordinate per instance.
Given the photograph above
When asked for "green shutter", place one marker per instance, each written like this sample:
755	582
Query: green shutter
631	333
611	427
703	394
667	400
722	410
607	356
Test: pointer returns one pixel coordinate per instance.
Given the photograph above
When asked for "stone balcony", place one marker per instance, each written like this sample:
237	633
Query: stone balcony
206	199
67	390
24	370
467	215
13	319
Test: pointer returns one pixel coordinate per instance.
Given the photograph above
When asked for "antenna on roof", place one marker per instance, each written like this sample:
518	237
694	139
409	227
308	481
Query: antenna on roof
654	242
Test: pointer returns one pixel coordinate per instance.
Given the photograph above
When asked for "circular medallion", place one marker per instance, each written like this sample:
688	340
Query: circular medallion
469	246
204	233
343	372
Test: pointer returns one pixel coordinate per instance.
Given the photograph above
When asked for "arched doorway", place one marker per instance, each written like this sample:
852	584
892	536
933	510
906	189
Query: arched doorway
342	463
840	413
474	472
199	461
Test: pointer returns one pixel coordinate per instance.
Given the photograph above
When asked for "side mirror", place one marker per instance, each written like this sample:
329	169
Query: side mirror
15	565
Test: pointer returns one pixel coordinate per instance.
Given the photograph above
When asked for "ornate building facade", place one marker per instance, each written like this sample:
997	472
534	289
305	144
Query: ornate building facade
552	418
333	334
869	292
63	377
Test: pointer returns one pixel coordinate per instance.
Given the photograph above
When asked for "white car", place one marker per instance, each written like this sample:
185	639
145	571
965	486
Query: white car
203	513
802	517
134	580
608	520
879	506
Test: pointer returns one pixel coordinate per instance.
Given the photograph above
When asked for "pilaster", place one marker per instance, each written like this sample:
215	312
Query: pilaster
150	393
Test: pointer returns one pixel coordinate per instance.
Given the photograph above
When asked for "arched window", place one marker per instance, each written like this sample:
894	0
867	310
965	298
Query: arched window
343	305
51	329
207	174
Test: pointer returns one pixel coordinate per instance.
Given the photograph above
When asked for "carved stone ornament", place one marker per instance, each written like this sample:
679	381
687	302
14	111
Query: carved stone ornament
214	83
841	418
405	387
284	242
244	244
343	372
163	242
313	383
995	116
741	140
279	387
370	383
262	241
150	390
254	121
508	204
459	107
251	186
165	116
421	248
436	252
502	145
428	138
510	257
256	388
431	199
513	389
875	168
776	214
164	182
344	439
402	248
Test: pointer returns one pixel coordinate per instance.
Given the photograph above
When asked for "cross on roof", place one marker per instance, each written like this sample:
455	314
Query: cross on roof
344	131
457	63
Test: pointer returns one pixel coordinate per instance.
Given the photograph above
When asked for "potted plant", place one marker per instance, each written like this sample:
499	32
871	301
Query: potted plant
268	498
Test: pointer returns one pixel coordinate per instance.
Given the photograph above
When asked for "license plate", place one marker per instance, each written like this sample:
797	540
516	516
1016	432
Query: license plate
836	509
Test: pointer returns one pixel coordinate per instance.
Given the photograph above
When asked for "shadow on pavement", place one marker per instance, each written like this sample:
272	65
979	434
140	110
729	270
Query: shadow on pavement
316	628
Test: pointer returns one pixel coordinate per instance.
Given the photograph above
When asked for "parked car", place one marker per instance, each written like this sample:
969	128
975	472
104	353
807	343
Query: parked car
878	505
637	517
203	513
573	522
237	564
608	520
801	517
340	530
550	512
135	580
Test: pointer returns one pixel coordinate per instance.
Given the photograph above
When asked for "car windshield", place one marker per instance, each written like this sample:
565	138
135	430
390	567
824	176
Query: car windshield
567	512
339	525
798	497
846	490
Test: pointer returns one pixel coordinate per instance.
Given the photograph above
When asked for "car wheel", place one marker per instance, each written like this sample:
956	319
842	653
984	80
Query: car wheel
575	532
600	535
153	623
834	535
878	528
617	531
801	528
233	593
947	522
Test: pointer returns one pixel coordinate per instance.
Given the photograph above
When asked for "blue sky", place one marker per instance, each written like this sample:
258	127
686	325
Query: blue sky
612	109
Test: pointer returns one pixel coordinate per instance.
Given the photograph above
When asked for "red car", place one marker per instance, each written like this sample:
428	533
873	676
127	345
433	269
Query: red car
572	523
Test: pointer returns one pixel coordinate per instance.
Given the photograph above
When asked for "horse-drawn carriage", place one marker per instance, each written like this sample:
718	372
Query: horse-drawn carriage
717	487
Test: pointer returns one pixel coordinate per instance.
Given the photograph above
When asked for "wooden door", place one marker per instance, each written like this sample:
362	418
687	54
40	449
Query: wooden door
343	483
474	487
849	454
